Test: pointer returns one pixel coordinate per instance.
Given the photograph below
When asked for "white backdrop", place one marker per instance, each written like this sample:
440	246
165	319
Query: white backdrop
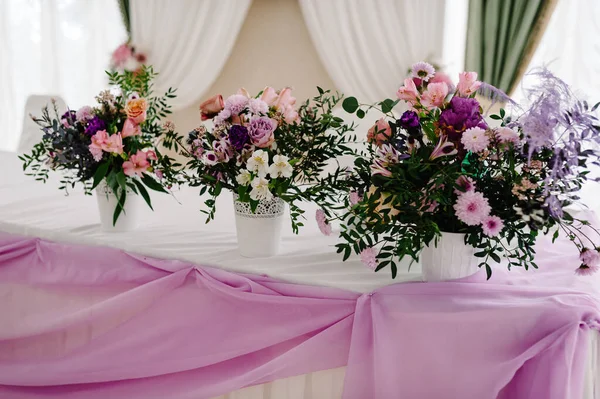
58	47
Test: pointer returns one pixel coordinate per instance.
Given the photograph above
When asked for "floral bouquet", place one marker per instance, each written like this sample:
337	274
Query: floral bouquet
440	168
113	143
265	150
127	58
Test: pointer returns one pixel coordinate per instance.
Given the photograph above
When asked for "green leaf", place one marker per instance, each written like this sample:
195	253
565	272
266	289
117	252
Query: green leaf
350	104
488	271
495	257
143	192
100	174
122	180
152	184
360	114
496	117
387	105
119	207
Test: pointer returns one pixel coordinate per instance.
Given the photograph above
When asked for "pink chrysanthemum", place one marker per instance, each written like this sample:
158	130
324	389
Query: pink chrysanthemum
589	257
466	183
585	270
368	256
324	226
472	208
507	135
475	139
492	226
258	106
423	70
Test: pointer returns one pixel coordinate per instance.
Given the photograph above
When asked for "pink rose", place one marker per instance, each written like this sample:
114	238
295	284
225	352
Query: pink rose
137	164
135	108
269	95
211	107
121	55
408	92
130	128
261	131
380	132
467	83
435	95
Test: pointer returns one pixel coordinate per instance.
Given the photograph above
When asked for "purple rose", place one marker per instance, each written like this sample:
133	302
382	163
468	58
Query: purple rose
261	131
95	124
238	136
461	114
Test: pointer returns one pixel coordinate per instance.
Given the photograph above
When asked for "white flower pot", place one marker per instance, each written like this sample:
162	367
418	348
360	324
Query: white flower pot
449	260
259	233
107	202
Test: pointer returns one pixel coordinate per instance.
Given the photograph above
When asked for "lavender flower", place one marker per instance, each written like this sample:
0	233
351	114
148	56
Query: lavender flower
69	118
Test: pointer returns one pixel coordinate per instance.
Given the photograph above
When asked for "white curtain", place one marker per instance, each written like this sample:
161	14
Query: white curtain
53	47
368	50
187	41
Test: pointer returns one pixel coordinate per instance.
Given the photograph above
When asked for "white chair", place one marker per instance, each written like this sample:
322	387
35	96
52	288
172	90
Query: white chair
31	133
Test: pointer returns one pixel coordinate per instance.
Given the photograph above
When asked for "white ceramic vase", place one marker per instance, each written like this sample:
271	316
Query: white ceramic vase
449	260
259	232
107	202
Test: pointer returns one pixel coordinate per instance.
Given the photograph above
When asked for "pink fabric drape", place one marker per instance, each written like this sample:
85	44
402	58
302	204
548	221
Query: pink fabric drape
169	329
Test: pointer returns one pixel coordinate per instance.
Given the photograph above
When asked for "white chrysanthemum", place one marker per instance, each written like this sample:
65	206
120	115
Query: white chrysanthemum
244	178
258	163
280	167
260	189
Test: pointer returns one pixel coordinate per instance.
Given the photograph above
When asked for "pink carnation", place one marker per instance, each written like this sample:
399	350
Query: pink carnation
324	226
472	208
475	139
368	256
492	226
236	103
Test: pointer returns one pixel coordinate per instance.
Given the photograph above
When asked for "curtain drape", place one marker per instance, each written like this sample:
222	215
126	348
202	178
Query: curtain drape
502	36
368	51
187	44
53	47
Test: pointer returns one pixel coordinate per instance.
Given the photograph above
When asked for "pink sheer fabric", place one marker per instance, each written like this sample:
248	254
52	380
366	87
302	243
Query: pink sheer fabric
151	328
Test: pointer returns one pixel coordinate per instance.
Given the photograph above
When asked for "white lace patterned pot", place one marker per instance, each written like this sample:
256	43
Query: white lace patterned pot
107	202
449	260
259	233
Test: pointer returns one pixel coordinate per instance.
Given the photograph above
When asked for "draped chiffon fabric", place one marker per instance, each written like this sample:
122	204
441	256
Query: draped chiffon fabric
108	323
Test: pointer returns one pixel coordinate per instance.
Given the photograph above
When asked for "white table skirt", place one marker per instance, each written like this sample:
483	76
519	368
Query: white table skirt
177	231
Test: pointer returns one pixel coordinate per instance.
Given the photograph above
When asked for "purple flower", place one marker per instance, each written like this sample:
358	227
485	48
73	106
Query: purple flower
95	124
261	131
238	136
442	149
322	222
69	118
409	120
461	114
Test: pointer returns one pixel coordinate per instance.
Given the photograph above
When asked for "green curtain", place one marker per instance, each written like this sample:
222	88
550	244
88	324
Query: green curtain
124	7
502	36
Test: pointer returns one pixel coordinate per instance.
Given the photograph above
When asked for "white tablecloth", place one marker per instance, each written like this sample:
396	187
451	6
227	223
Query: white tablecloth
176	230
